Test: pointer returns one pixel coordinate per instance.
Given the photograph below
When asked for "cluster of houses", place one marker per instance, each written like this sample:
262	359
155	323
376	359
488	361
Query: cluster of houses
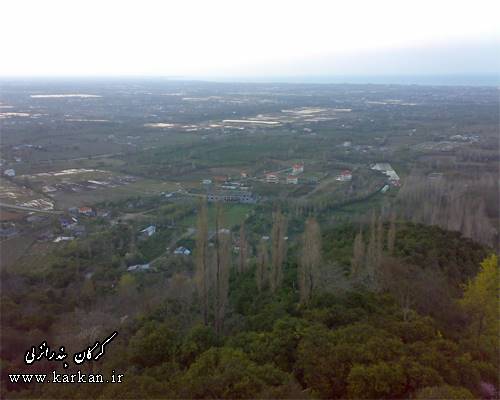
72	228
291	179
70	224
229	191
146	233
225	182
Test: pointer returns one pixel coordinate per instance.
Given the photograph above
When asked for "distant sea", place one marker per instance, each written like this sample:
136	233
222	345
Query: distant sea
427	80
424	80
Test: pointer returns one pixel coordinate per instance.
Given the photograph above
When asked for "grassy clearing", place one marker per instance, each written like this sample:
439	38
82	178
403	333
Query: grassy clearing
234	214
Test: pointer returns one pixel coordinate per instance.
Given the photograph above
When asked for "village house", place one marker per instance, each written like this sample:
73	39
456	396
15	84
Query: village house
292	180
149	231
345	176
297	168
9	172
182	251
87	211
64	239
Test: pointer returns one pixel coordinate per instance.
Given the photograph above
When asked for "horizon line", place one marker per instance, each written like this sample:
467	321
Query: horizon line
452	79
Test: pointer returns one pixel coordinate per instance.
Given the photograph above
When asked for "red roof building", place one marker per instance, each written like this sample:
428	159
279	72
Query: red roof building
297	168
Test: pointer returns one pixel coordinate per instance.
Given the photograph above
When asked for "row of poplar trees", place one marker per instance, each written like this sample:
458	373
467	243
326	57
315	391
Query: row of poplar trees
367	259
213	266
214	261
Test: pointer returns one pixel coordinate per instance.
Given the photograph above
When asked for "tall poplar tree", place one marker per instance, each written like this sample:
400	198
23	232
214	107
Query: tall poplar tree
391	235
201	255
262	266
278	250
371	251
310	260
243	254
222	268
358	257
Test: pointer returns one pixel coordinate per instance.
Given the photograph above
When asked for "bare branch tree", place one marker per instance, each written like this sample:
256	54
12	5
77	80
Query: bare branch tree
358	258
278	250
222	268
391	235
243	254
201	253
310	260
261	271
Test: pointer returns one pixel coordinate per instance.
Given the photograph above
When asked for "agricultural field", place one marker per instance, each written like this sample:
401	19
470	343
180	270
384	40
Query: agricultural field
73	146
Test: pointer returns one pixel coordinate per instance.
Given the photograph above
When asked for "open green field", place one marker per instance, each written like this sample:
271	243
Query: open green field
234	214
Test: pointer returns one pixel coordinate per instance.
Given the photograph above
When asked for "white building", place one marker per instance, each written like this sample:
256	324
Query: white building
9	172
149	231
64	239
139	267
183	251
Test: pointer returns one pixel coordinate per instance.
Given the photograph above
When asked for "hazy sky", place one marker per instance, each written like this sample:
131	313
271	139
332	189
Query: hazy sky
248	38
